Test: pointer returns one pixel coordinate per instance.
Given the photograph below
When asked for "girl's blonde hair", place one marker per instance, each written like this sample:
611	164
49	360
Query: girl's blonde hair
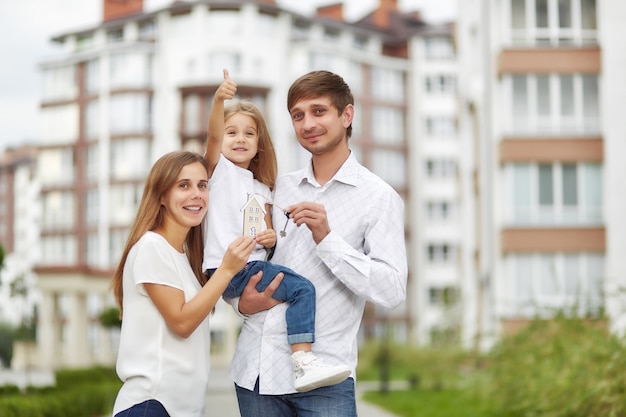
161	178
263	166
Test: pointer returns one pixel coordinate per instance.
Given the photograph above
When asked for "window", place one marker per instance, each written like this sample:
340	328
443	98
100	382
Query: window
92	77
438	48
555	193
387	125
441	127
554	103
388	84
117	241
84	42
552	22
359	42
58	250
390	166
56	166
59	83
147	30
124	200
59	124
300	30
92	207
115	36
438	211
440	84
130	70
441	168
553	282
443	296
441	253
130	113
331	35
58	210
130	158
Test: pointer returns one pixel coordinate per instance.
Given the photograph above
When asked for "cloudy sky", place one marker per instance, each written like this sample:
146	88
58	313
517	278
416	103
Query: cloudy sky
26	27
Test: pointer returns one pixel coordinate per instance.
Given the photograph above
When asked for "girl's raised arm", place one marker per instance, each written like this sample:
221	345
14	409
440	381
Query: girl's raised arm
225	91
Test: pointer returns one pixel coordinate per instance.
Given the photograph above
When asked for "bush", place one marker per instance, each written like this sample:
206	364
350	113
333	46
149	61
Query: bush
78	393
559	368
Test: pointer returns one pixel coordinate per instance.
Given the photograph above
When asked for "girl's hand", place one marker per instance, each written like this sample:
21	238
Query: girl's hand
266	238
227	88
237	254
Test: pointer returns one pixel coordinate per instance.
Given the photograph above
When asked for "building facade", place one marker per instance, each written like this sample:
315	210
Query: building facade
542	81
140	84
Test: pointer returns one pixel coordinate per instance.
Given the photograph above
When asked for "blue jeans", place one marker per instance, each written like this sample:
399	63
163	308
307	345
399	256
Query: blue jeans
149	408
332	401
295	288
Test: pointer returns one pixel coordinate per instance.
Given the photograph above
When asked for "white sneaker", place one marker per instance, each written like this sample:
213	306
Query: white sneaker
311	373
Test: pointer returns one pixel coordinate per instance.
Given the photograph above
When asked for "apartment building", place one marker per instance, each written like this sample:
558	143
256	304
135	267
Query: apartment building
140	84
542	82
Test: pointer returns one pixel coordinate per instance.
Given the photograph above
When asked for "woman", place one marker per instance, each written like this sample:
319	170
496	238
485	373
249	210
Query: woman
163	296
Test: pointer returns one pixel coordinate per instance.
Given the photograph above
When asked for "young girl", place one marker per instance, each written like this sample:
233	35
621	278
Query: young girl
242	171
163	295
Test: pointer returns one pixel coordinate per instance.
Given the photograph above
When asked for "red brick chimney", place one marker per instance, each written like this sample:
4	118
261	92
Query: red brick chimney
114	9
381	14
332	11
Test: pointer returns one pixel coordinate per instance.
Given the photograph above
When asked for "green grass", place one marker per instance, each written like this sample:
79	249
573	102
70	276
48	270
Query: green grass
427	403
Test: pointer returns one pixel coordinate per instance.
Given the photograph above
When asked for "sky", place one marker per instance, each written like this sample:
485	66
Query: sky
26	27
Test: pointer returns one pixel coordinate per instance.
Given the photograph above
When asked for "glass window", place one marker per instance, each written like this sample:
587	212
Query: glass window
570	185
130	113
588	14
565	13
92	76
438	48
115	36
192	105
130	158
388	84
390	166
541	13
521	193
518	14
590	96
567	95
571	274
130	69
523	279
59	83
546	192
92	119
543	95
147	30
387	125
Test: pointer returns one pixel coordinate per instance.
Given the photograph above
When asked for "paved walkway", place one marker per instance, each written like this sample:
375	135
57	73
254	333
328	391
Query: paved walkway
222	400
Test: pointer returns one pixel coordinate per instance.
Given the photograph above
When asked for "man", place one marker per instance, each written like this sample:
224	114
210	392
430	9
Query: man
346	234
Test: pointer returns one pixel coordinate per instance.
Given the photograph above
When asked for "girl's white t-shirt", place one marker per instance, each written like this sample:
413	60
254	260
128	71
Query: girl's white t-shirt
153	362
230	186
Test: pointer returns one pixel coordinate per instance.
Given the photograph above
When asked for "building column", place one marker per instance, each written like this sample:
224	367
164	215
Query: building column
105	343
49	331
77	340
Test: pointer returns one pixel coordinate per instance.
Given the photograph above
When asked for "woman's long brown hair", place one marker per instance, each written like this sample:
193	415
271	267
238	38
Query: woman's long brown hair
161	178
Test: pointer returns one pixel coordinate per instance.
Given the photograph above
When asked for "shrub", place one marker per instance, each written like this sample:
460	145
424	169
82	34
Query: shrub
559	368
78	393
